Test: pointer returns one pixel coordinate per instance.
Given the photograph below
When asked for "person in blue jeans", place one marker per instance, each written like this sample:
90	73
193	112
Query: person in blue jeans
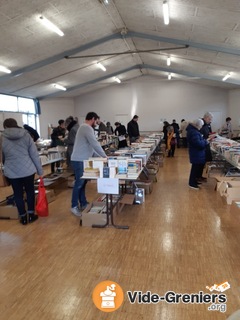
21	162
85	147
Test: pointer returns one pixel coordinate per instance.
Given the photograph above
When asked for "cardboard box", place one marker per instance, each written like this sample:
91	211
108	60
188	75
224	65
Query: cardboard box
8	211
88	219
154	166
220	179
126	199
231	193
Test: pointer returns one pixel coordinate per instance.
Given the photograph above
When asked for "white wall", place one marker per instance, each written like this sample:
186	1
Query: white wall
52	111
234	108
154	101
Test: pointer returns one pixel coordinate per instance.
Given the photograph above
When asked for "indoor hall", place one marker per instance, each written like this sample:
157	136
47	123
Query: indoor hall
179	240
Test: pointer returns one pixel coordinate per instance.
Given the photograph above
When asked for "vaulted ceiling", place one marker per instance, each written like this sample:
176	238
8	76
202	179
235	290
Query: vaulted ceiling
202	39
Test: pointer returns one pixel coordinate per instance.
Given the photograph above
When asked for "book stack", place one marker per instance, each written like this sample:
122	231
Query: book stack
134	168
122	168
91	172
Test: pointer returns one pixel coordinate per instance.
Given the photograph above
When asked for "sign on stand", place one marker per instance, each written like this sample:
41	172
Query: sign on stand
108	185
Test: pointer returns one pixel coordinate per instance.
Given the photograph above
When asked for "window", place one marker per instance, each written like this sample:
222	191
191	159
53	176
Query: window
8	103
26	105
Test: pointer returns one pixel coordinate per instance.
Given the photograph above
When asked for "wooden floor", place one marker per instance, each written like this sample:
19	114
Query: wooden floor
180	240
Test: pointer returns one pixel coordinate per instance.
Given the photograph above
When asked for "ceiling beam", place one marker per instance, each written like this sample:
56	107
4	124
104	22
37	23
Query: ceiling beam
119	35
140	67
60	56
82	85
132	34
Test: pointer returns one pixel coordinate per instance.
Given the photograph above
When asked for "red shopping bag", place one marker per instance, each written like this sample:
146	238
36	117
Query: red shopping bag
42	203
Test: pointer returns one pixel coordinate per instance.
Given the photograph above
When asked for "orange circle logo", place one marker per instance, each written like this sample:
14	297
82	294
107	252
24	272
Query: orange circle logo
108	296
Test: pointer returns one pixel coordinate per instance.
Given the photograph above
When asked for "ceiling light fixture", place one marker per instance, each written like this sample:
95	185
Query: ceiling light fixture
51	26
117	80
58	86
106	1
168	61
165	12
101	66
4	69
169	76
226	76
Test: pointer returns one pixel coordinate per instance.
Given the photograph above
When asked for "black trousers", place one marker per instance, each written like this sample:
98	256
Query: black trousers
20	185
195	174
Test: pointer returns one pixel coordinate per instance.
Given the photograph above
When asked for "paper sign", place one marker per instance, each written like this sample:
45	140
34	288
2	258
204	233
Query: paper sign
108	185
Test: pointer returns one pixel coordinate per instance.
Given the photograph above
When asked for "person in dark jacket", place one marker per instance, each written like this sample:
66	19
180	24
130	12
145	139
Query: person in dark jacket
72	128
109	128
196	146
121	132
21	162
176	128
33	133
57	137
133	129
165	130
206	130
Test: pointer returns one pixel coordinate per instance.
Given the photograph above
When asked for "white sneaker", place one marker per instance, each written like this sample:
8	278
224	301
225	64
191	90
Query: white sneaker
76	212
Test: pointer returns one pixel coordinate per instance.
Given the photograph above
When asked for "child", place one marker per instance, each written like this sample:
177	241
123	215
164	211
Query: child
171	141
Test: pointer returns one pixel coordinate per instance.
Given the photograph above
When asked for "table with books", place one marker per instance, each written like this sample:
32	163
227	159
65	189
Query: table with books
110	173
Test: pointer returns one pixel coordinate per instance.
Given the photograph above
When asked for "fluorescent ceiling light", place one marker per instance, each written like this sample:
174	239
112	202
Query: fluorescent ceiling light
226	76
117	80
51	26
101	66
168	61
3	69
169	76
165	12
58	86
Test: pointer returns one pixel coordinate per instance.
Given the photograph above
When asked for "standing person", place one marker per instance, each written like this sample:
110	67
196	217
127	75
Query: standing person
85	146
72	128
183	131
101	126
109	128
197	145
57	137
171	141
21	162
165	131
206	130
121	132
133	129
176	128
227	129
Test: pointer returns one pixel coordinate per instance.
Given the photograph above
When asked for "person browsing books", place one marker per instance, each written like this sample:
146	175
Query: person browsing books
85	146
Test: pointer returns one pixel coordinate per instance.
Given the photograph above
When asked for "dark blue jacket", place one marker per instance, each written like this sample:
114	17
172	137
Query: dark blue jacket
196	144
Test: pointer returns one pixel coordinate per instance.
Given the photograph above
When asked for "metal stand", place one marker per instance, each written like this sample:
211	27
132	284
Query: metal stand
110	206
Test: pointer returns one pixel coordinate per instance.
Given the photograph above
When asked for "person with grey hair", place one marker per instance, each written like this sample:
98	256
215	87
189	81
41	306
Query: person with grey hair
196	146
206	130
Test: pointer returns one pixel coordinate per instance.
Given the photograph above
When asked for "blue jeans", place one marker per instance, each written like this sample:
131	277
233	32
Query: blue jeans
78	194
19	185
